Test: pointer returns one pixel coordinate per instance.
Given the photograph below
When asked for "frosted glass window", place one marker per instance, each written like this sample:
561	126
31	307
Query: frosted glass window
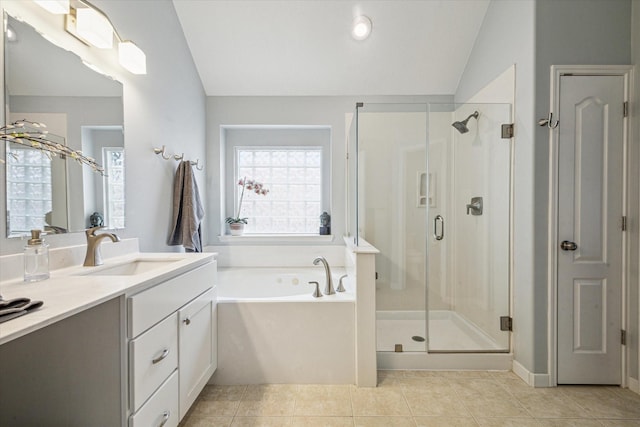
28	189
293	176
113	159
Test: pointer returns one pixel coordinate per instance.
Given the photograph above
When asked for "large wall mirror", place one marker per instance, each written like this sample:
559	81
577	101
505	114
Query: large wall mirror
83	109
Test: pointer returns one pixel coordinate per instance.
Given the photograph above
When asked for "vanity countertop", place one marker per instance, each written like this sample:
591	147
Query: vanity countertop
71	290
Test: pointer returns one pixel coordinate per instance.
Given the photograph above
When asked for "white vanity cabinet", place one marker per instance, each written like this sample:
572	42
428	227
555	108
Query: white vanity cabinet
171	334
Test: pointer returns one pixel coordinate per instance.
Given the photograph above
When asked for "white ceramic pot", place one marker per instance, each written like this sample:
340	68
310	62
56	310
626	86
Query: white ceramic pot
236	228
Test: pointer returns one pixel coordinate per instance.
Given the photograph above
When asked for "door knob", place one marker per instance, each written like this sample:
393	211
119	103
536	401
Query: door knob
568	246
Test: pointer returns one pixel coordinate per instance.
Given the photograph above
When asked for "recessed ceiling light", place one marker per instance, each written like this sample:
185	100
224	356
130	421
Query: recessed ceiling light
361	27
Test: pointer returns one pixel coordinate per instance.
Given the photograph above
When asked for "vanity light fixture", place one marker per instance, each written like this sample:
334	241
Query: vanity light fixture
132	58
94	27
361	27
57	7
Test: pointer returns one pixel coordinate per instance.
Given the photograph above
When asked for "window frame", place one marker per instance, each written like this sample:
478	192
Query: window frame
110	219
46	197
273	137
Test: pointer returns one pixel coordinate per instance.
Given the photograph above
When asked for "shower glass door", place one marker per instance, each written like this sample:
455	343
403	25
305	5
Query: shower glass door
469	175
392	216
433	196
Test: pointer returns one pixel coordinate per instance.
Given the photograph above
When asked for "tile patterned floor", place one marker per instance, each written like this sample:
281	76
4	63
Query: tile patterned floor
417	399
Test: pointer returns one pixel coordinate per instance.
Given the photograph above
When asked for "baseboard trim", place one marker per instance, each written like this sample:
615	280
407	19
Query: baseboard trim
634	385
534	380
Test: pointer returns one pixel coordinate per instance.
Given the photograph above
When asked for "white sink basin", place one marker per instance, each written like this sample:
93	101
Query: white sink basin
130	268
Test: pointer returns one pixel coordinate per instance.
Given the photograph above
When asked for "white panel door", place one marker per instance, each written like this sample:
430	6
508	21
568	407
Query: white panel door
590	209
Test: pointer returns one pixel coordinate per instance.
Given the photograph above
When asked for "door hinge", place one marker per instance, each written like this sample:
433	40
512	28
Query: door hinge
506	323
624	223
507	130
625	109
623	337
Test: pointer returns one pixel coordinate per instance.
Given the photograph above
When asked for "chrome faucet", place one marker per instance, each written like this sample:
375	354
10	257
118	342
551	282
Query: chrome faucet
94	257
328	290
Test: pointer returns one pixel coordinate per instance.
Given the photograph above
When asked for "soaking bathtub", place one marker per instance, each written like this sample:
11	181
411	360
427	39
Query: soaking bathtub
272	330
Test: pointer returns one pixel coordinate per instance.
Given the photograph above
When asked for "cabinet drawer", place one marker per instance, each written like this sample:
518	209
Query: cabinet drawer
161	409
153	356
149	307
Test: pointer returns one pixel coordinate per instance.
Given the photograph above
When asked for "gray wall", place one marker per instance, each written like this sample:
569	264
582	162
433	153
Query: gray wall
166	106
317	111
510	25
534	35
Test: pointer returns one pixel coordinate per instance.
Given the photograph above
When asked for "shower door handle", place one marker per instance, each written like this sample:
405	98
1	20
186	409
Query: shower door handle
436	220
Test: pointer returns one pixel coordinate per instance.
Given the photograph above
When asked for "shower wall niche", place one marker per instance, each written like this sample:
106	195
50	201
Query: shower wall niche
433	195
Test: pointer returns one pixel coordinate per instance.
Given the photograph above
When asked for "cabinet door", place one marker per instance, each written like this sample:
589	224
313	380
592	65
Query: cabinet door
197	346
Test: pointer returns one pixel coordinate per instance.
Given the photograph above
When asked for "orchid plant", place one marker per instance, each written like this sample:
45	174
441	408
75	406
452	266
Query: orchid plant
251	185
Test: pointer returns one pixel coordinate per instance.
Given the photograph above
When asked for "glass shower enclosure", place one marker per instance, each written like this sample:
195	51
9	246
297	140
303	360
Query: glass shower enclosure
433	195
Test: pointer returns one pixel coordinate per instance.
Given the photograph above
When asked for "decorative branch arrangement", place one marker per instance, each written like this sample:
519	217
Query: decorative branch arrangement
33	135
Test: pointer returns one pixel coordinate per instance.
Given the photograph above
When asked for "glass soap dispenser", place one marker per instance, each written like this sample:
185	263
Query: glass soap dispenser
36	258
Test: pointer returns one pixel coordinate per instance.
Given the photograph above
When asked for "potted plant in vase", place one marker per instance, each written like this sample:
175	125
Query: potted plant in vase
236	224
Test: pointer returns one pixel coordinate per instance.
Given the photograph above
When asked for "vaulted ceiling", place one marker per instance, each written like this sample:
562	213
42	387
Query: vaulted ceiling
292	47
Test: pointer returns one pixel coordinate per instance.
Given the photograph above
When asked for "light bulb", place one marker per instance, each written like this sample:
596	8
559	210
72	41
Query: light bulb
94	27
57	7
132	57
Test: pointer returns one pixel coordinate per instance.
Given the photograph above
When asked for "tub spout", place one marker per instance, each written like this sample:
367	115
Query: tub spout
328	290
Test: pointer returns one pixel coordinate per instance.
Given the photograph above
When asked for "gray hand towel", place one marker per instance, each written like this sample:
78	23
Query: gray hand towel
187	210
18	307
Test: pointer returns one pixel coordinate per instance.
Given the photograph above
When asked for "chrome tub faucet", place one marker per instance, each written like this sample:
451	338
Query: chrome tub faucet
94	256
328	290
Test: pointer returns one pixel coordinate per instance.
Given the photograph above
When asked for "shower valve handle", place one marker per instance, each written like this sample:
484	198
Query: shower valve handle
340	287
316	293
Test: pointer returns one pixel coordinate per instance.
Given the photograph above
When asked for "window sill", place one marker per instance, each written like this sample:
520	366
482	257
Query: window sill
276	238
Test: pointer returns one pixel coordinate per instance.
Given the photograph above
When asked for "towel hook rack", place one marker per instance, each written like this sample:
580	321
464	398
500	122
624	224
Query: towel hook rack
161	151
197	165
177	157
548	122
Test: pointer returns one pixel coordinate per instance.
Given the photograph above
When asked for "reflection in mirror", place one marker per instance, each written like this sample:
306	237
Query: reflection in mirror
82	109
30	178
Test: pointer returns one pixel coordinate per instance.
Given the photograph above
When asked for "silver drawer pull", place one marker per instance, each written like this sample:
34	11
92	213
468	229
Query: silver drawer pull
159	359
187	321
165	418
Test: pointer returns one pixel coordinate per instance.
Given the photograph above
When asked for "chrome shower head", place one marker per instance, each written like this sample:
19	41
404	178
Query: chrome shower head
462	126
